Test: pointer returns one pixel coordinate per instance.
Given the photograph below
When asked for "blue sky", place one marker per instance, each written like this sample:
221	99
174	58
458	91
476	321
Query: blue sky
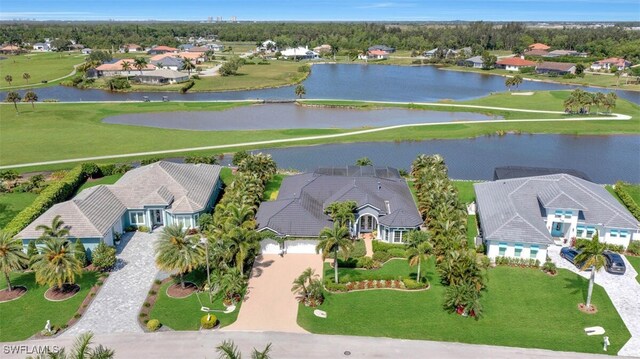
338	10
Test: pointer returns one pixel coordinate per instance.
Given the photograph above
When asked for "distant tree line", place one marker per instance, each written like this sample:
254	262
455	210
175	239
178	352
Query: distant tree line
513	36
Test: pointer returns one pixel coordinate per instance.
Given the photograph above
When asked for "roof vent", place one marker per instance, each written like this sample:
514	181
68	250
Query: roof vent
388	205
379	185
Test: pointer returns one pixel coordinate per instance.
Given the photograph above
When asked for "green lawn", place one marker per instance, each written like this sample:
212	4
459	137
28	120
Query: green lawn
24	317
41	66
523	308
12	203
466	193
634	191
272	187
635	262
98	181
472	230
185	314
60	127
227	175
394	267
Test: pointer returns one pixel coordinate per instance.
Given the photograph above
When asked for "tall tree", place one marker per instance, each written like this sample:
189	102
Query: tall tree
32	97
300	91
12	256
126	66
364	161
140	63
14	97
420	247
177	251
333	240
26	76
591	257
9	79
56	264
187	65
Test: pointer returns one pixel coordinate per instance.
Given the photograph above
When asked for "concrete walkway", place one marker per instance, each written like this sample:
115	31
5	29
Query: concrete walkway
115	309
286	345
624	292
368	245
269	304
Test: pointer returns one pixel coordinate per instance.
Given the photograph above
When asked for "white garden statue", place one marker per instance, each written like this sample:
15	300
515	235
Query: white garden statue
47	326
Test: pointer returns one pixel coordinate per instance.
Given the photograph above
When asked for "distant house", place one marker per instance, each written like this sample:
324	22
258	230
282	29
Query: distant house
384	206
214	47
75	47
558	68
186	47
522	217
536	53
384	48
514	63
114	68
10	49
475	62
131	48
299	53
447	53
168	62
607	64
42	46
377	55
323	49
267	46
162	193
202	49
161	49
559	53
538	46
195	57
161	76
87	51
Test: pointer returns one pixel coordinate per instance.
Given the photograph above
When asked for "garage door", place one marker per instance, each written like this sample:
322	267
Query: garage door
269	246
301	246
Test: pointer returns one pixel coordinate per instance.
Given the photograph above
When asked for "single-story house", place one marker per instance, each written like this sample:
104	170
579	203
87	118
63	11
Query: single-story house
514	63
299	53
214	47
10	49
86	51
131	48
447	53
168	62
509	172
114	68
202	49
267	46
384	48
607	64
536	53
559	53
161	49
475	62
323	49
162	193
538	46
75	47
377	55
161	76
522	217
384	206
193	56
558	68
42	46
186	47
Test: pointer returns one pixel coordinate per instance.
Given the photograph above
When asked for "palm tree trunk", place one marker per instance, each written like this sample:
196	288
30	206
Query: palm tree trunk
15	104
590	291
418	276
6	276
335	265
182	280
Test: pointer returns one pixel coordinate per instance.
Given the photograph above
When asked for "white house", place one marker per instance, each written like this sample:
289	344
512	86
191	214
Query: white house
607	64
300	53
521	217
267	46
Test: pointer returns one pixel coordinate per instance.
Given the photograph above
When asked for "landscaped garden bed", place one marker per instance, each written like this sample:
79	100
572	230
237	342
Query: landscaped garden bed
17	292
60	294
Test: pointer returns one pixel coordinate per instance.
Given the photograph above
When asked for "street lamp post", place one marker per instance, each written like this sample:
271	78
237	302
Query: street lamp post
204	241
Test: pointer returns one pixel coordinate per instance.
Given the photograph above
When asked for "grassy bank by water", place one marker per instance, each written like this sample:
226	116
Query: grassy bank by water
41	66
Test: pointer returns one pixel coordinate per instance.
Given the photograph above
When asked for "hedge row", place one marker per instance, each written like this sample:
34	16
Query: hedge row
626	199
52	194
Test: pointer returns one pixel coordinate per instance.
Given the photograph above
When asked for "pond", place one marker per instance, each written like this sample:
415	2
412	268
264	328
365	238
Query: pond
605	159
285	116
343	81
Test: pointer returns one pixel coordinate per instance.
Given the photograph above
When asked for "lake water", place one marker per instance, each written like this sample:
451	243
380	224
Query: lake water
605	159
354	82
285	116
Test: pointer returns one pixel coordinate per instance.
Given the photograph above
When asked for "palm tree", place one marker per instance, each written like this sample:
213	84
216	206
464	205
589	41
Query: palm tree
228	350
14	97
610	101
231	281
342	212
56	230
509	83
140	63
419	249
364	161
300	91
517	80
332	240
264	354
177	251
82	350
126	66
56	264
32	97
9	79
12	256
239	216
187	65
592	256
242	242
300	283
26	76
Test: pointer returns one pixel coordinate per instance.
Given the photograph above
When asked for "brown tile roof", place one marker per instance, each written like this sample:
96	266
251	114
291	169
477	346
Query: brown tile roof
558	66
538	46
117	66
165	48
515	61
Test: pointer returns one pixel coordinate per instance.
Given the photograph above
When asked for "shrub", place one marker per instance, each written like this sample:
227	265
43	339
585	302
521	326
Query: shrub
77	315
144	229
621	191
118	83
383	246
187	86
91	170
304	68
568	76
608	246
104	256
634	248
367	263
148	161
195	77
209	160
381	256
80	252
359	249
122	168
549	267
130	228
413	284
335	287
147	304
397	252
527	70
153	325
208	321
142	315
107	170
239	157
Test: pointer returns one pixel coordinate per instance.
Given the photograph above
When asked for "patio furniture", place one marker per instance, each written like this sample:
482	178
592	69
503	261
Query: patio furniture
594	330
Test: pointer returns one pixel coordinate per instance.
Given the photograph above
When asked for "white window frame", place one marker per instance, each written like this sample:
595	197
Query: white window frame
183	219
133	218
395	236
502	249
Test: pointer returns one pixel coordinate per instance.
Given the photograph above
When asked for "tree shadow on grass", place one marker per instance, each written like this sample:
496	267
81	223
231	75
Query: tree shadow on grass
576	285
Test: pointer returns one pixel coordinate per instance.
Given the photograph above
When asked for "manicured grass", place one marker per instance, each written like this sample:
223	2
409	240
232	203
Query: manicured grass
272	187
26	316
98	181
185	314
634	191
359	250
635	262
466	193
12	203
472	230
522	307
226	174
41	66
394	267
60	127
412	188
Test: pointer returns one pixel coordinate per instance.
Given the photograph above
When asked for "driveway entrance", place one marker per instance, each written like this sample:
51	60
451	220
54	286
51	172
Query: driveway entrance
269	304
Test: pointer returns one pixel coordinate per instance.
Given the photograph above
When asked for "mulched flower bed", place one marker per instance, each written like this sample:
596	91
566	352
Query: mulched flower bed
17	292
152	296
378	284
64	293
584	309
177	291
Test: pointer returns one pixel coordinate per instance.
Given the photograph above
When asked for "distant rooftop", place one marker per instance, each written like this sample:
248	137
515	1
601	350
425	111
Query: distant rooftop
508	172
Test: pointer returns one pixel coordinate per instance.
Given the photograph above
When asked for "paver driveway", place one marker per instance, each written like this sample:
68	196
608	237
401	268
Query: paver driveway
624	292
115	309
269	304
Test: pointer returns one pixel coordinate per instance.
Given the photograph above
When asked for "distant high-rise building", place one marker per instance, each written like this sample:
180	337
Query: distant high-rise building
210	19
219	19
233	19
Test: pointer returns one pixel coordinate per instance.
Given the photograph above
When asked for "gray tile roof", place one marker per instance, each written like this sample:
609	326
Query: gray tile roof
300	207
514	209
182	188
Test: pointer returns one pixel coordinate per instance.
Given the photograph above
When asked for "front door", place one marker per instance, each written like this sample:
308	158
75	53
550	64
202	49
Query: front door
156	216
367	224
